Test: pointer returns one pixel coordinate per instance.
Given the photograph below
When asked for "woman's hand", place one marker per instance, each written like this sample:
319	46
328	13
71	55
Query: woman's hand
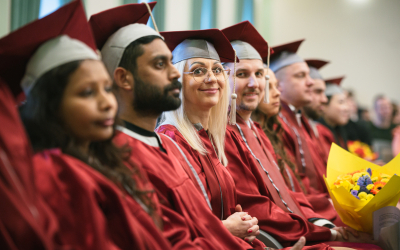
242	225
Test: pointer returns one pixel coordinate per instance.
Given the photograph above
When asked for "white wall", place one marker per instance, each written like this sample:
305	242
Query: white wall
5	17
361	38
96	6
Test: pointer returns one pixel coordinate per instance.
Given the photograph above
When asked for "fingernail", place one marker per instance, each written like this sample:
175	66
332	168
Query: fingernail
246	239
243	218
250	231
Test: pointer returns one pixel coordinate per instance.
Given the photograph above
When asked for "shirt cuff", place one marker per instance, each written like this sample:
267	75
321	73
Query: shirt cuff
323	223
333	235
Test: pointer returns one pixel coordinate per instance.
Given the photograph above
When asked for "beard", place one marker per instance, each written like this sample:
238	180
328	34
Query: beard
153	100
311	113
243	106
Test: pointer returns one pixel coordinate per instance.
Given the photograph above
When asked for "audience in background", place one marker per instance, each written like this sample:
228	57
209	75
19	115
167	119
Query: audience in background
381	127
356	128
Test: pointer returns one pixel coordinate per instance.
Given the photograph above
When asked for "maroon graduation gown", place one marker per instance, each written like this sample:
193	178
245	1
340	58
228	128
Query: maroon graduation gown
255	198
93	212
25	221
327	138
260	145
300	148
312	205
179	196
286	228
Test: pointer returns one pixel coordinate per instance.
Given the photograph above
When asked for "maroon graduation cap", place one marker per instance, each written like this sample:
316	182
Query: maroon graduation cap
337	80
285	55
18	47
209	43
246	32
107	22
315	65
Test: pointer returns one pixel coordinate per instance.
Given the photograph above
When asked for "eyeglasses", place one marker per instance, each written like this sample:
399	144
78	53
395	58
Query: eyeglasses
201	74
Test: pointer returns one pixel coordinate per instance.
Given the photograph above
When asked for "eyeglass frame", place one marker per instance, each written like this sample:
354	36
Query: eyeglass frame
225	69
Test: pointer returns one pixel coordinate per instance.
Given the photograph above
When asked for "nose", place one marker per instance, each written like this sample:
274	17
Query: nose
253	83
276	92
106	101
310	81
324	99
174	73
210	77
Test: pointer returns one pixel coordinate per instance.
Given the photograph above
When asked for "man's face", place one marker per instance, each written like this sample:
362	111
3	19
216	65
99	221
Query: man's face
318	98
384	108
250	83
295	84
156	85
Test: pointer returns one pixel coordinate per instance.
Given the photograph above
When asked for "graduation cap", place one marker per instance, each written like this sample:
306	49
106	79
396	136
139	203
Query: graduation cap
208	43
315	65
285	55
116	28
248	43
29	52
333	86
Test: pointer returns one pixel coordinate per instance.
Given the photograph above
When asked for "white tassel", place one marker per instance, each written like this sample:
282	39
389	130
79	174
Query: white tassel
267	77
232	115
266	94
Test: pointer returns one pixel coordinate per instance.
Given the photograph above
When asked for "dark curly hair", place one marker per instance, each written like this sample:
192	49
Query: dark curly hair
40	116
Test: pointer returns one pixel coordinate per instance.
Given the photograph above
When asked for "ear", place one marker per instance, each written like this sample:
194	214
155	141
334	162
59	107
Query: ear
123	78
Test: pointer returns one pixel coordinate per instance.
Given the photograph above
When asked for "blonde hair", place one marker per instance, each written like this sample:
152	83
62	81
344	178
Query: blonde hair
216	124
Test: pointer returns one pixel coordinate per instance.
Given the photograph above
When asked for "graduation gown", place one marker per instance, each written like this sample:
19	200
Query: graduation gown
299	144
329	135
313	205
286	228
261	147
188	220
25	220
93	212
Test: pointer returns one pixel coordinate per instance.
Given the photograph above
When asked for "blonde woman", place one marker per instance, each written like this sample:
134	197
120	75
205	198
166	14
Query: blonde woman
199	125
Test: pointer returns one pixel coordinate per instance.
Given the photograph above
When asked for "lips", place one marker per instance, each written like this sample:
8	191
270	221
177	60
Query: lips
106	122
210	90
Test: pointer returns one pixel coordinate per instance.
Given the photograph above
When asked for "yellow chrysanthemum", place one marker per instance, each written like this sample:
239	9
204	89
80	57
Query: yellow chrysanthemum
362	195
346	184
357	187
356	176
370	186
386	180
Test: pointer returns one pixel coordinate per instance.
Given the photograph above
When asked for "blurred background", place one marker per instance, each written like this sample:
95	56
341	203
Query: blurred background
360	38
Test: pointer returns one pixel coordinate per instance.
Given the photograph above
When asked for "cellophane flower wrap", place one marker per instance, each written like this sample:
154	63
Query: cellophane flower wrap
354	211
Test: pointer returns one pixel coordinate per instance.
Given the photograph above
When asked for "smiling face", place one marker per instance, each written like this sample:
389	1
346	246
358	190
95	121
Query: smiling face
88	106
271	108
202	94
295	84
250	83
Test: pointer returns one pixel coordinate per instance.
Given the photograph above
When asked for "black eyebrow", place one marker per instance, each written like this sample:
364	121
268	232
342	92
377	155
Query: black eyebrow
160	57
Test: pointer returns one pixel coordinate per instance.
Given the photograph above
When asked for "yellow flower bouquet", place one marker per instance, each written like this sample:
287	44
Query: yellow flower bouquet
358	187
